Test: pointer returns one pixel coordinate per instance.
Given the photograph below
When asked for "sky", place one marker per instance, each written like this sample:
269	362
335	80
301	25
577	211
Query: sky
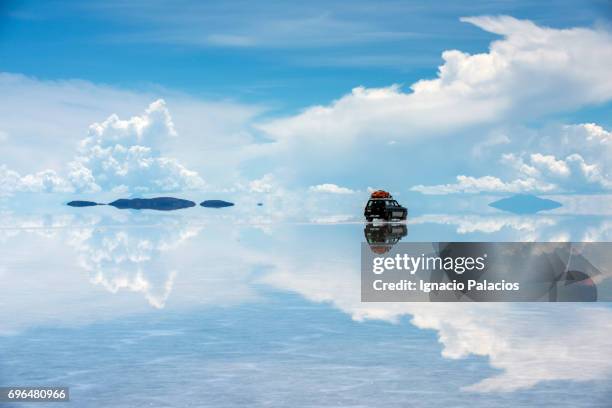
327	97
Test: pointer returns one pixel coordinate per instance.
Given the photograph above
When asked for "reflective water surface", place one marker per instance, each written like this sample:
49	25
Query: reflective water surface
221	309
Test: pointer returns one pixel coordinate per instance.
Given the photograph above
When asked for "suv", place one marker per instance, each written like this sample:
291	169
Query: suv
381	205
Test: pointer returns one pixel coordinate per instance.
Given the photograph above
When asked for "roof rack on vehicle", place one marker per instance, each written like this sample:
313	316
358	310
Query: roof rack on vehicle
380	194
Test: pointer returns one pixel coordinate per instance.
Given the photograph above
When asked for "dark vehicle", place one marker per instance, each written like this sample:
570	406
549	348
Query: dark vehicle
381	205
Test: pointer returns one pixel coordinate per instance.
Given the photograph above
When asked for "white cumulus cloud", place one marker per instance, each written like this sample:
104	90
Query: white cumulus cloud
266	184
530	71
572	158
120	153
117	155
330	188
42	181
467	184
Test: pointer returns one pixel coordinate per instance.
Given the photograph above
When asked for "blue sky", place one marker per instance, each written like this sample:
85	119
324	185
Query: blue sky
289	54
241	84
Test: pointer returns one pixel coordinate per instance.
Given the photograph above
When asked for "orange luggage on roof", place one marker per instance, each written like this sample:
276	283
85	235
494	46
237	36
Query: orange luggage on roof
380	194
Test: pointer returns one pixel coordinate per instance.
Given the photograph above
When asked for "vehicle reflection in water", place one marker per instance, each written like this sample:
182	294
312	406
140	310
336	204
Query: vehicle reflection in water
554	272
382	237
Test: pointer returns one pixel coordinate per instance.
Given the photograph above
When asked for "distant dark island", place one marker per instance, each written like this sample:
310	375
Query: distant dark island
79	203
525	204
216	204
157	203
